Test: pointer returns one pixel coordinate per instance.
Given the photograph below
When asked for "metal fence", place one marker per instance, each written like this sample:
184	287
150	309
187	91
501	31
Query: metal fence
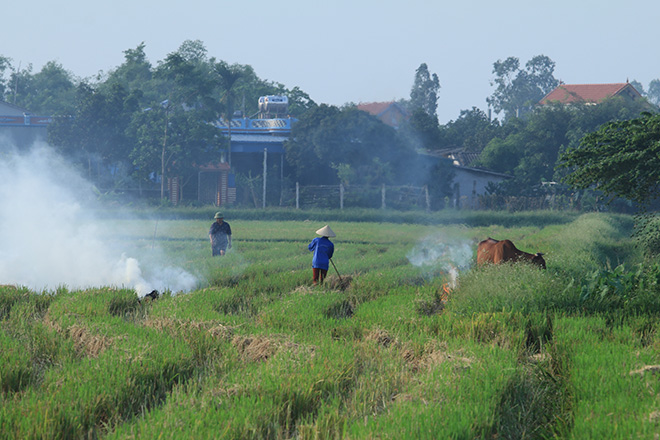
356	196
415	197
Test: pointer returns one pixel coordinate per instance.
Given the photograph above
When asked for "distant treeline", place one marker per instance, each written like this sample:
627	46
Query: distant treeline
133	127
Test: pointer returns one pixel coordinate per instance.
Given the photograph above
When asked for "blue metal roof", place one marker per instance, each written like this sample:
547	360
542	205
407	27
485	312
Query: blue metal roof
255	143
257	135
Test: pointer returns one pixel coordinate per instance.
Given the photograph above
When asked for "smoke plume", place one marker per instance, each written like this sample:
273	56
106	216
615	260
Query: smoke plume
439	252
49	237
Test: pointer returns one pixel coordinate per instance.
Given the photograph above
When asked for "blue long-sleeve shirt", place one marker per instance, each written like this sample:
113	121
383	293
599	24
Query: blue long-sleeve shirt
323	250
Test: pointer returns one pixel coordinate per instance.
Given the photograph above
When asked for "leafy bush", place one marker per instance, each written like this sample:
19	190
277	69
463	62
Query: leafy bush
635	290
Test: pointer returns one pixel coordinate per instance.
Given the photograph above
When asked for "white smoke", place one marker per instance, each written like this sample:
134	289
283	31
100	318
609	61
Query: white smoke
49	238
443	253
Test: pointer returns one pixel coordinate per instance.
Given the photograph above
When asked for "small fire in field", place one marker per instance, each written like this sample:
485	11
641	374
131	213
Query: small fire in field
450	285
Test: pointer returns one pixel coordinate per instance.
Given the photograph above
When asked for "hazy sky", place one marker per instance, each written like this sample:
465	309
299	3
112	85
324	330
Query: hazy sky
343	51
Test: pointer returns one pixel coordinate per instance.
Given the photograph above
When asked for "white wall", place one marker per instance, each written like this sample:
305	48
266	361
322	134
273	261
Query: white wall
470	183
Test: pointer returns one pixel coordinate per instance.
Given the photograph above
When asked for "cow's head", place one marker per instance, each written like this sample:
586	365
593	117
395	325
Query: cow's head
538	260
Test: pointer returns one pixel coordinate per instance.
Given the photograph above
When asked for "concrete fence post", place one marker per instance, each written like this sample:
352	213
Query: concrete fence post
341	196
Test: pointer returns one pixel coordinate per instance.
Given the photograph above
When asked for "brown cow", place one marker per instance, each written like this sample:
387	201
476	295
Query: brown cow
496	252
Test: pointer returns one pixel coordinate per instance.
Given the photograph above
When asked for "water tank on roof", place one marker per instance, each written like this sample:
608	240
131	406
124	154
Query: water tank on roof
274	104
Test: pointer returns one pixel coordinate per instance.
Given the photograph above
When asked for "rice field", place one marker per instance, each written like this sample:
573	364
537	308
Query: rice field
392	345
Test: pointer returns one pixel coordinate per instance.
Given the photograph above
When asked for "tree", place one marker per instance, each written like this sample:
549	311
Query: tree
95	134
653	93
173	141
422	131
529	148
328	144
519	90
136	71
471	131
5	66
51	91
307	156
638	86
622	159
229	75
299	101
439	182
424	93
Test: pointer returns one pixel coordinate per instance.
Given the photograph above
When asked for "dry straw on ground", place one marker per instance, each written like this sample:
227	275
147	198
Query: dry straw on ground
336	283
381	337
262	348
88	343
437	354
215	329
646	369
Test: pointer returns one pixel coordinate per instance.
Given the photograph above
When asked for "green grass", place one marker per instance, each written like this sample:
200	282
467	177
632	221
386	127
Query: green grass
256	351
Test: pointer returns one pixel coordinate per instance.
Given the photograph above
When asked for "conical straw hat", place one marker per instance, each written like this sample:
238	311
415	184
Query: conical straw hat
325	231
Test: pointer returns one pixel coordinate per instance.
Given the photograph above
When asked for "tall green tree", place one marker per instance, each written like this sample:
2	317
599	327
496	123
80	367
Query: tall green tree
136	72
424	92
51	91
5	70
229	78
622	159
328	144
422	131
653	94
308	156
95	135
518	90
529	148
299	101
178	132
471	131
172	141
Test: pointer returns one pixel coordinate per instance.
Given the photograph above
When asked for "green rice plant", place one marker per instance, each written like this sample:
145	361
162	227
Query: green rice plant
453	394
87	396
16	368
593	241
238	304
11	295
204	305
124	302
258	399
255	351
317	312
507	287
28	350
274	214
611	376
537	400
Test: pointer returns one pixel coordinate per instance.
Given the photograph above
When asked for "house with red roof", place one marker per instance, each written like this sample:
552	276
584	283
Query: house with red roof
391	113
590	93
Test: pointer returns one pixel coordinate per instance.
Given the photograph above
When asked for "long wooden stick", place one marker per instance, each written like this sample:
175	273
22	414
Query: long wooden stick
333	265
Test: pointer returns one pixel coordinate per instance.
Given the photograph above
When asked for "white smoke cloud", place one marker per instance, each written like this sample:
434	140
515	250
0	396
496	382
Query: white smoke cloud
440	252
49	238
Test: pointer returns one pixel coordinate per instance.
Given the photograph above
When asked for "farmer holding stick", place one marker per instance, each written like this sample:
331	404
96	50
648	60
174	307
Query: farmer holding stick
323	250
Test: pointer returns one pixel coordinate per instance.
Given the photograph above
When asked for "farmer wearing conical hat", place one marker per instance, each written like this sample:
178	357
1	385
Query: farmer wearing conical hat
220	235
323	250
